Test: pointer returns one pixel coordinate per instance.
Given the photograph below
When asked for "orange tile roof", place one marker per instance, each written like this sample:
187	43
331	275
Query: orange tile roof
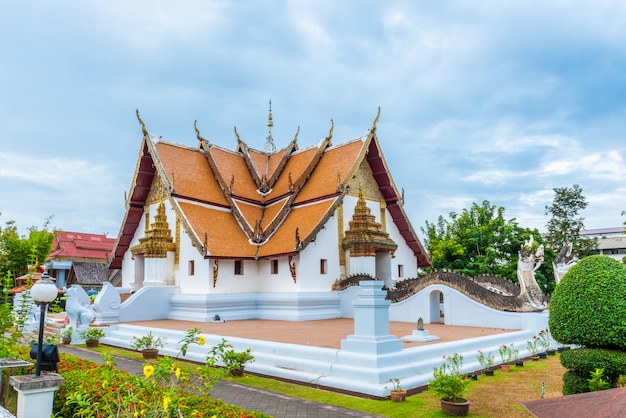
259	161
252	213
296	165
224	236
305	218
231	164
275	159
272	210
190	173
204	175
323	181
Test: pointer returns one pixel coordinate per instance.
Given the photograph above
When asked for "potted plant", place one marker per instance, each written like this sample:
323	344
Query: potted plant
486	361
92	335
66	334
506	356
397	394
518	361
533	347
148	344
233	361
450	389
545	339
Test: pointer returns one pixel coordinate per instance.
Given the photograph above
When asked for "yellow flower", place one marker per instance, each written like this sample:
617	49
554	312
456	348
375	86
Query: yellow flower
136	414
104	384
201	340
166	403
177	373
148	370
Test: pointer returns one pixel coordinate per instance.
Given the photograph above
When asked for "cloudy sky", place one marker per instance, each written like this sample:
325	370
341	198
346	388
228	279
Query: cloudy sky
502	101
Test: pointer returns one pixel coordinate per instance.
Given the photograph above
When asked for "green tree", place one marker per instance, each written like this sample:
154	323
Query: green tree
17	251
566	223
480	240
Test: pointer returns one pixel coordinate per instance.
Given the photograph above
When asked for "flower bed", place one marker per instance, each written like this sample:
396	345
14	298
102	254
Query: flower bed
104	391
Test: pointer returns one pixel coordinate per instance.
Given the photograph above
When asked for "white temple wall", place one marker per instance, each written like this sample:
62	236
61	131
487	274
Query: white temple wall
281	281
202	279
310	277
128	264
403	256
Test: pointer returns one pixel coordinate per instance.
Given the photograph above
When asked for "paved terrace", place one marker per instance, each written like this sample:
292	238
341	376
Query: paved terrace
326	333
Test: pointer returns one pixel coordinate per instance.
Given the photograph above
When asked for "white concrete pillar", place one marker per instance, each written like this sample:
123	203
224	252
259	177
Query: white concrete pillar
35	394
371	322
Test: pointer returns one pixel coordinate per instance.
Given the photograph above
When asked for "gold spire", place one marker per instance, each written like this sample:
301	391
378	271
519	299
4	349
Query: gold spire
269	143
270	123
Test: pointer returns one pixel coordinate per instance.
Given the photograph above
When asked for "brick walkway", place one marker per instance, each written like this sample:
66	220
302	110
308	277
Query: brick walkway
250	398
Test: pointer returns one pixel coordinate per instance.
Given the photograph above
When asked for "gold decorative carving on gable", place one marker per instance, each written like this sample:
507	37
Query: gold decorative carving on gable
158	191
177	252
340	232
364	182
158	239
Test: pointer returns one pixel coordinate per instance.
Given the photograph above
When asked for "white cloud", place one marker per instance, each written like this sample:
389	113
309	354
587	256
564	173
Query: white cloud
609	165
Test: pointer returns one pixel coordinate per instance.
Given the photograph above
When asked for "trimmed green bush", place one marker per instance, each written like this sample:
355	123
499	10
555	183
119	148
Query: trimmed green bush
574	383
588	306
584	361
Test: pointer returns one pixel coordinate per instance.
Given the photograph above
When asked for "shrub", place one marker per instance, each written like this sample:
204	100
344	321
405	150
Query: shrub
92	390
447	384
588	306
598	381
574	383
585	361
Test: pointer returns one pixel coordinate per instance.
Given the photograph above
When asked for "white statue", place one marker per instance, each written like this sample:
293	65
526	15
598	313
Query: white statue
527	263
563	262
77	311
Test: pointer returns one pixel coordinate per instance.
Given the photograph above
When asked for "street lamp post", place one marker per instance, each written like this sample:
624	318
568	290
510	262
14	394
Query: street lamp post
43	292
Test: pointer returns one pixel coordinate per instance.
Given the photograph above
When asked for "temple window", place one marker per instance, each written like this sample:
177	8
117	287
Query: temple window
239	267
323	266
400	270
274	267
191	268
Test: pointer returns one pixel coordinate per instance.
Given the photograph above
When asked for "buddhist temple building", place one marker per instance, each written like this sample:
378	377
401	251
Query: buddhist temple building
81	256
252	233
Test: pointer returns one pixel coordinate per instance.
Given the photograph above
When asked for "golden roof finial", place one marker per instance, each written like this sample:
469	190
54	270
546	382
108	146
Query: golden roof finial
237	134
200	139
376	121
330	132
143	125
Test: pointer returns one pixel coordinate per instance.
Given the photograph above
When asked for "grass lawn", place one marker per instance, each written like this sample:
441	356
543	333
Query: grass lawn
496	396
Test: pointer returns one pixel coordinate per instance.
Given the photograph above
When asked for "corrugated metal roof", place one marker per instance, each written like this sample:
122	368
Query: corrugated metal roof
611	243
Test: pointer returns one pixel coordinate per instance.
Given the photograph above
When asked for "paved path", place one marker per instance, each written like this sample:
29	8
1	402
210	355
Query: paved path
250	398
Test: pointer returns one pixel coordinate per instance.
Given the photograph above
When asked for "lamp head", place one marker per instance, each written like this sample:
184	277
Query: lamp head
44	291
